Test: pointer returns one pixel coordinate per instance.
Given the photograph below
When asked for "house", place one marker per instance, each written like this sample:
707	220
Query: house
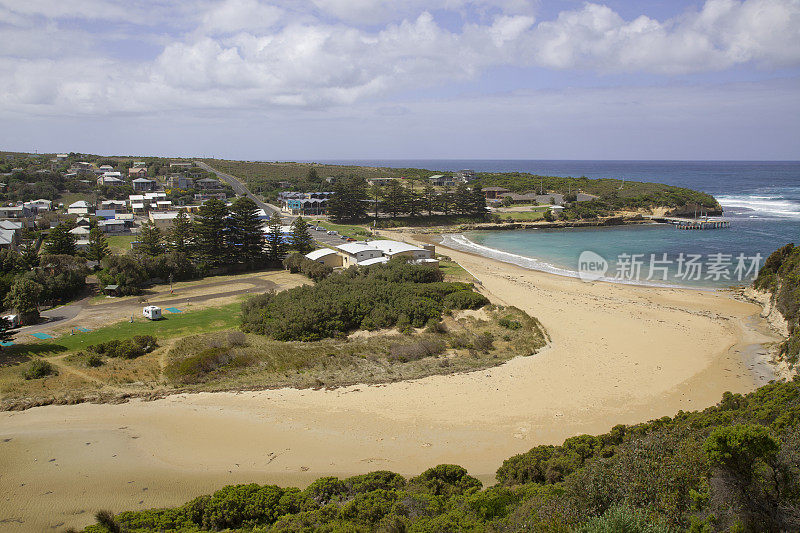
110	180
8	239
138	208
82	244
439	180
466	175
206	184
380	181
143	184
105	168
80	207
15	211
284	184
306	206
202	197
354	253
493	193
111	290
139	164
326	256
62	157
116	205
179	181
181	165
80	231
164	220
39	205
107	214
137	172
392	249
113	226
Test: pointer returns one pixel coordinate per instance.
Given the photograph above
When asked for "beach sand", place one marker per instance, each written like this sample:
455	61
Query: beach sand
618	355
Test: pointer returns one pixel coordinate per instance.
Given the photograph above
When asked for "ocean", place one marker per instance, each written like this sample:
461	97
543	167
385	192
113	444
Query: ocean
760	198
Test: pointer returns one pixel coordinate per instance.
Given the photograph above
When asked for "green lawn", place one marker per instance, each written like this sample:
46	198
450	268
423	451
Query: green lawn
349	230
454	271
523	216
173	325
120	244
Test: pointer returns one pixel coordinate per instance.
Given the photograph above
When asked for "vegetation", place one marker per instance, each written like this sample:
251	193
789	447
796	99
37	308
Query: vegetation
39	368
780	276
297	262
731	467
374	297
127	348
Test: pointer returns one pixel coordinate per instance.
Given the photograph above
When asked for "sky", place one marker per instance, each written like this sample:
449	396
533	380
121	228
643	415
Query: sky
405	79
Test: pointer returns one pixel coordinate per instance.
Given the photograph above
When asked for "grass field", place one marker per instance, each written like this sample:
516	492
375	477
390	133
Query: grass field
454	272
173	325
349	230
522	216
119	244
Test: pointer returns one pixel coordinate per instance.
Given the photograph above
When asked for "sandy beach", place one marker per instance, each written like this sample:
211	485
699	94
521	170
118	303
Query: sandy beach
618	354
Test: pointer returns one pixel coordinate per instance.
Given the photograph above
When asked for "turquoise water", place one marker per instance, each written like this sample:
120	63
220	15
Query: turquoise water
760	198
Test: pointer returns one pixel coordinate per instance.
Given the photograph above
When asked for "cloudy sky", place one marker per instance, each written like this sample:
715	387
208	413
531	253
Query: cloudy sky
338	79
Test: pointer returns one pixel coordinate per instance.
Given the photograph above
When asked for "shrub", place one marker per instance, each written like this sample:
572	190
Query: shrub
126	349
483	342
509	323
465	300
94	360
446	480
415	350
39	368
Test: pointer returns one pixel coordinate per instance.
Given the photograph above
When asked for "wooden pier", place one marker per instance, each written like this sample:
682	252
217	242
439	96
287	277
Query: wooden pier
693	223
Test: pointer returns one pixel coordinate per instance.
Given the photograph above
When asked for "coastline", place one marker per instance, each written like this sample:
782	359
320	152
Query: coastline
619	354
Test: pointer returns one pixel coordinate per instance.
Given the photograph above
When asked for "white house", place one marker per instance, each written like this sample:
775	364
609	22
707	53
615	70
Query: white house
393	249
143	184
80	207
80	231
355	252
326	256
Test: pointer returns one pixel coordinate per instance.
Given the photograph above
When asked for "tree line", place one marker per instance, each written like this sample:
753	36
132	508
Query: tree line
353	201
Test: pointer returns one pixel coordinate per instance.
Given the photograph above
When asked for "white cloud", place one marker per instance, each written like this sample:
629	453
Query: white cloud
250	54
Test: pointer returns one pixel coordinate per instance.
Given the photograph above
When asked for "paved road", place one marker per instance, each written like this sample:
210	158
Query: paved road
238	187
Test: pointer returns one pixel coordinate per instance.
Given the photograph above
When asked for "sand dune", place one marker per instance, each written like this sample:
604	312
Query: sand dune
619	354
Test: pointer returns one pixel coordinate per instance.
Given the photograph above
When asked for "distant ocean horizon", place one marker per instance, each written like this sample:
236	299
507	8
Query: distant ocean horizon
760	198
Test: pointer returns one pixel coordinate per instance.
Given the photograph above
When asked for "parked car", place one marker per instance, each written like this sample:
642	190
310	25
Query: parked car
343	237
333	232
13	320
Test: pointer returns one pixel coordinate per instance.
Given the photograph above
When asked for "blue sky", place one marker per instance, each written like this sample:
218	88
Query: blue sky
372	79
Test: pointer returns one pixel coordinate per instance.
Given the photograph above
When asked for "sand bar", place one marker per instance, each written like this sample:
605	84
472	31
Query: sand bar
619	354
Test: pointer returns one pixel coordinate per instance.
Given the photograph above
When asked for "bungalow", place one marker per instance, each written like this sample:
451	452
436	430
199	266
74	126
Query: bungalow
111	179
355	252
8	239
137	172
440	180
138	208
139	164
181	165
106	214
466	175
80	231
143	184
116	205
492	193
163	220
39	205
380	181
179	181
105	168
80	207
208	184
113	226
326	256
202	197
392	249
15	211
62	157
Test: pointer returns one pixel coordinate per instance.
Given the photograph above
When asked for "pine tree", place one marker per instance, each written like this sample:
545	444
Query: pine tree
349	201
429	199
151	239
445	201
478	201
180	236
246	238
60	241
28	249
210	228
98	245
395	199
462	201
277	248
302	241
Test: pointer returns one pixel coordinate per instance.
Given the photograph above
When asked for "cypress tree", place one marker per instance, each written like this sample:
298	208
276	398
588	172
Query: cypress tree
60	241
246	239
98	245
302	241
151	239
180	236
277	248
210	229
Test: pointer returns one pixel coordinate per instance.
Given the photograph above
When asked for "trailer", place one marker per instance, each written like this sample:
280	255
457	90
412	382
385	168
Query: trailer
152	312
13	320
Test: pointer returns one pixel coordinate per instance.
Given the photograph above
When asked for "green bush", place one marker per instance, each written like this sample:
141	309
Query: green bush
39	368
94	360
126	349
381	296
